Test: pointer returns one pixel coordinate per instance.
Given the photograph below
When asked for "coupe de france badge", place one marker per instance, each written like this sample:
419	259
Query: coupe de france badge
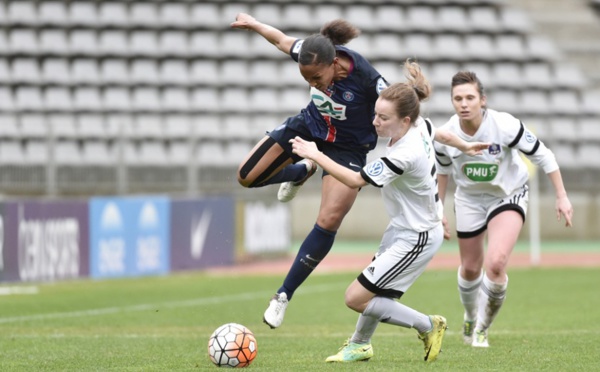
494	149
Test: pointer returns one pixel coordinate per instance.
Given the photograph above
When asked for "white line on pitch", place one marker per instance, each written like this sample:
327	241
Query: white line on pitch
170	304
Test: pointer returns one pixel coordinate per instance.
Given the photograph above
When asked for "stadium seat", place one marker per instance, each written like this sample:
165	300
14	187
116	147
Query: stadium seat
289	74
566	156
22	13
146	99
418	47
8	126
361	16
511	48
175	99
180	153
515	20
383	46
507	75
422	18
236	127
33	126
131	154
175	15
391	71
205	44
174	72
7	102
67	153
568	76
12	153
206	100
589	129
5	73
146	126
113	14
98	153
88	99
449	47
588	155
537	75
29	98
25	70
534	102
293	100
441	74
484	19
177	127
143	43
266	13
85	71
116	124
173	43
58	99
91	126
210	154
204	72
234	72
234	100
263	49
590	101
390	18
208	15
564	102
85	42
144	71
542	48
298	16
113	43
263	72
53	13
235	152
56	71
326	13
143	14
116	99
504	100
83	13
453	19
54	42
23	41
230	9
563	129
36	152
63	126
235	44
112	70
480	48
440	103
483	71
206	126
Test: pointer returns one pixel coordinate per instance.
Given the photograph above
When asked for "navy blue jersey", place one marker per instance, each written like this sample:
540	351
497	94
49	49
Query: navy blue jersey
344	114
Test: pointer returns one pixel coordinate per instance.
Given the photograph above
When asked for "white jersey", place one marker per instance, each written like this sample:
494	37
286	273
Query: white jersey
500	170
407	176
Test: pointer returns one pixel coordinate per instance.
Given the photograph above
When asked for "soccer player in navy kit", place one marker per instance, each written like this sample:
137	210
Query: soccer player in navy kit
343	90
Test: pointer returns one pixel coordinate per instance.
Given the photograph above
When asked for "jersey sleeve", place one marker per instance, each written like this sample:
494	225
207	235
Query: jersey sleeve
383	171
534	149
295	49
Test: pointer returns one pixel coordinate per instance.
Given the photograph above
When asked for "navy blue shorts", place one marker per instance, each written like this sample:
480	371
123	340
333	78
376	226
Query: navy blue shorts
354	158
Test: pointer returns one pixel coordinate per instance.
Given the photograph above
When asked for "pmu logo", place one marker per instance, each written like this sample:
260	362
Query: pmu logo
480	172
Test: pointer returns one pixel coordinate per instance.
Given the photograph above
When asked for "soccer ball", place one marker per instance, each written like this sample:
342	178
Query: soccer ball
232	345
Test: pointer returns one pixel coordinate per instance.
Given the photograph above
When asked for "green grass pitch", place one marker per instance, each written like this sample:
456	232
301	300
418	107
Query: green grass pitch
550	321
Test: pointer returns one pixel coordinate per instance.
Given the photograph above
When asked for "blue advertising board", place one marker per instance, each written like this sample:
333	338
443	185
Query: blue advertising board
129	236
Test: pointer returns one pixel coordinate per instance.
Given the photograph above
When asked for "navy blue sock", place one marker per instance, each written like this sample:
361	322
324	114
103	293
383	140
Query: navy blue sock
292	172
314	248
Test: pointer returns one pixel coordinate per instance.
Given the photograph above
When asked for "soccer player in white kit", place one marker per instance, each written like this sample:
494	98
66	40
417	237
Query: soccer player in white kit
491	194
407	178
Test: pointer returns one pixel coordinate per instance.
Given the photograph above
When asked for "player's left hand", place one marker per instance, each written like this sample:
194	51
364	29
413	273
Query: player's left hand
564	208
305	149
476	148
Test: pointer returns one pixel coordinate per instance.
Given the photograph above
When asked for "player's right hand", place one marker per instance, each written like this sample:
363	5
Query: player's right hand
243	21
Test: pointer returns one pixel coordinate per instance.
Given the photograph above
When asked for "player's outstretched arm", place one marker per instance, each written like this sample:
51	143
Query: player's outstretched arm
274	36
470	148
563	204
309	150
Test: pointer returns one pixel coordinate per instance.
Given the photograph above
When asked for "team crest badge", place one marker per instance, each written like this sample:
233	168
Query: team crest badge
348	96
375	168
494	149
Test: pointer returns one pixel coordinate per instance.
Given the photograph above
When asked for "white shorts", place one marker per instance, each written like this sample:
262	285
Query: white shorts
474	212
402	257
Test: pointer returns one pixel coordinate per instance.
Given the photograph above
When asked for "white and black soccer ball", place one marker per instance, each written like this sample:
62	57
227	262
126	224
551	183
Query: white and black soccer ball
232	345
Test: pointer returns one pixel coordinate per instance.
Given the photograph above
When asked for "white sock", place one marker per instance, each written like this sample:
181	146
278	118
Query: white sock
469	293
491	298
389	311
365	328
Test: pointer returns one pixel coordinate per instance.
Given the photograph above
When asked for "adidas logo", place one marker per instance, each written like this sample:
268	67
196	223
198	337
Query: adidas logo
371	270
